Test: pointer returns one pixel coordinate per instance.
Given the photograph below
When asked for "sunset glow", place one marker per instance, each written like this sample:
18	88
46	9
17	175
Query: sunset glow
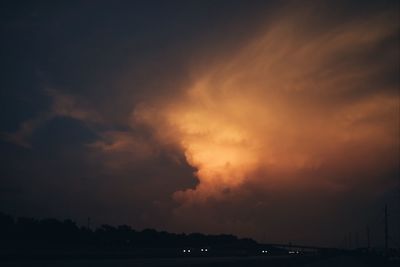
279	110
275	120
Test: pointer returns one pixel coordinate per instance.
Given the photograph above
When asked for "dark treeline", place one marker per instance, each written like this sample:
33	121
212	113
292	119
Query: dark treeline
52	233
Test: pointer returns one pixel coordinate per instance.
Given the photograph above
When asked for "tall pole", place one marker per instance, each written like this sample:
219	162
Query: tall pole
398	187
386	229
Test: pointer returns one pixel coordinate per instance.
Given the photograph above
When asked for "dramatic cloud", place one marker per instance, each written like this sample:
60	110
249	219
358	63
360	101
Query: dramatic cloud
296	105
274	121
62	105
122	148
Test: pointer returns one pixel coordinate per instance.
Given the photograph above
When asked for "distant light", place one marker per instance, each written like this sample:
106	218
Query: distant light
189	250
201	249
205	250
297	252
291	252
184	250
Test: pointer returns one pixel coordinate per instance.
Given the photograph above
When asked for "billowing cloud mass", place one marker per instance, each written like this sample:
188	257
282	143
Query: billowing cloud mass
297	105
63	105
278	121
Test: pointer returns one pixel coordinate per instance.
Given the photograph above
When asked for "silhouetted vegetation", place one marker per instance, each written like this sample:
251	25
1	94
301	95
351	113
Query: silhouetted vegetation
29	239
52	233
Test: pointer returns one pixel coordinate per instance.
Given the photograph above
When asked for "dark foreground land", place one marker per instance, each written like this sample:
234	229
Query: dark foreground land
29	242
280	261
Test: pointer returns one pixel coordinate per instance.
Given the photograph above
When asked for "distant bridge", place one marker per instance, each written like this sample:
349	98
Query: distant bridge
298	247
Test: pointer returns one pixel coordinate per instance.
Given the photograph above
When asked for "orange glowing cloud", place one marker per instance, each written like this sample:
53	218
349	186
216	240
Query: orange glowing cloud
297	104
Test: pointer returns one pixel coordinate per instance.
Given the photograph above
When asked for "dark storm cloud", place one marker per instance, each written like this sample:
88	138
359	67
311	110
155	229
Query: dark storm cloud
87	87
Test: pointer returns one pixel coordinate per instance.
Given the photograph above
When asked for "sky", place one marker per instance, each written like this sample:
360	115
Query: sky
275	120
